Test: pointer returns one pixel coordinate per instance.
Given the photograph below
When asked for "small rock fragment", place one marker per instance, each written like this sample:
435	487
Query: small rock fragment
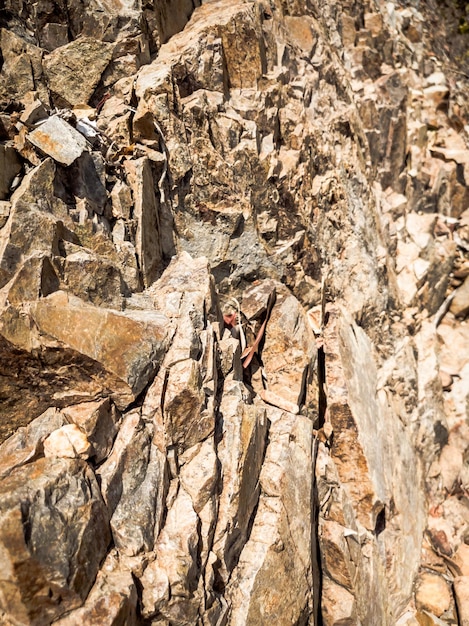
67	441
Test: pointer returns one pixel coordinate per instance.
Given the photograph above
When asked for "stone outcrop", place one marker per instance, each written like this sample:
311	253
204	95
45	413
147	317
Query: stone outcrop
234	265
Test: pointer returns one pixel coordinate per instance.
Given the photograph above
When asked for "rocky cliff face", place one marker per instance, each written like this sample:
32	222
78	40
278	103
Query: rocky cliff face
234	277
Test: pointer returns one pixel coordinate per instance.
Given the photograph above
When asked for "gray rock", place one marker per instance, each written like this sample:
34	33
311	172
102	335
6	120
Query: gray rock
50	554
59	140
74	70
133	482
10	166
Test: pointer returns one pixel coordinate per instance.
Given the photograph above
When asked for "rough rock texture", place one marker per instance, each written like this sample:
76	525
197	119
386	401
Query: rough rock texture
234	350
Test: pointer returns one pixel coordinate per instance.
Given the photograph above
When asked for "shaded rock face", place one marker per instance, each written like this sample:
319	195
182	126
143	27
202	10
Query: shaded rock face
234	265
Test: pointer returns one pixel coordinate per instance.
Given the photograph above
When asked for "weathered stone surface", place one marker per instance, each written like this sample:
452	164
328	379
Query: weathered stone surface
99	421
461	590
432	594
460	303
10	166
241	452
26	444
318	147
147	213
133	484
50	568
73	70
21	70
67	441
59	140
110	338
278	552
111	601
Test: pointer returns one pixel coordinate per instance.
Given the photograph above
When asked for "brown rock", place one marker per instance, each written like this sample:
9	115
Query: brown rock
133	483
74	70
50	569
147	214
339	605
10	166
432	594
99	421
129	345
278	551
460	303
21	68
67	441
26	444
461	591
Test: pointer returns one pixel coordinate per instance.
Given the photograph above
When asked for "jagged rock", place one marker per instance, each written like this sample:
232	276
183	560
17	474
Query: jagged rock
113	339
278	551
93	278
460	303
26	445
59	140
112	600
68	441
99	421
314	147
5	208
10	166
133	484
49	569
354	412
73	71
241	452
176	560
21	70
147	213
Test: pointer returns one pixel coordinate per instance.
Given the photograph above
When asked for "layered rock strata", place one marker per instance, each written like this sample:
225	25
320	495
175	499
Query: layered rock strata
234	266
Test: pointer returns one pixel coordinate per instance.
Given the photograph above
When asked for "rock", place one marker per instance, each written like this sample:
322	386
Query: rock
339	605
50	569
241	452
112	600
21	70
73	71
147	214
432	594
34	113
68	441
59	140
128	345
5	208
451	463
94	278
133	484
87	180
461	557
99	421
10	166
461	591
278	551
176	555
54	36
26	444
460	303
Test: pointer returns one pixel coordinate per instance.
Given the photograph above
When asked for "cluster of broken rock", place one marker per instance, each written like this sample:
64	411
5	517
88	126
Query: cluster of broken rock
234	279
